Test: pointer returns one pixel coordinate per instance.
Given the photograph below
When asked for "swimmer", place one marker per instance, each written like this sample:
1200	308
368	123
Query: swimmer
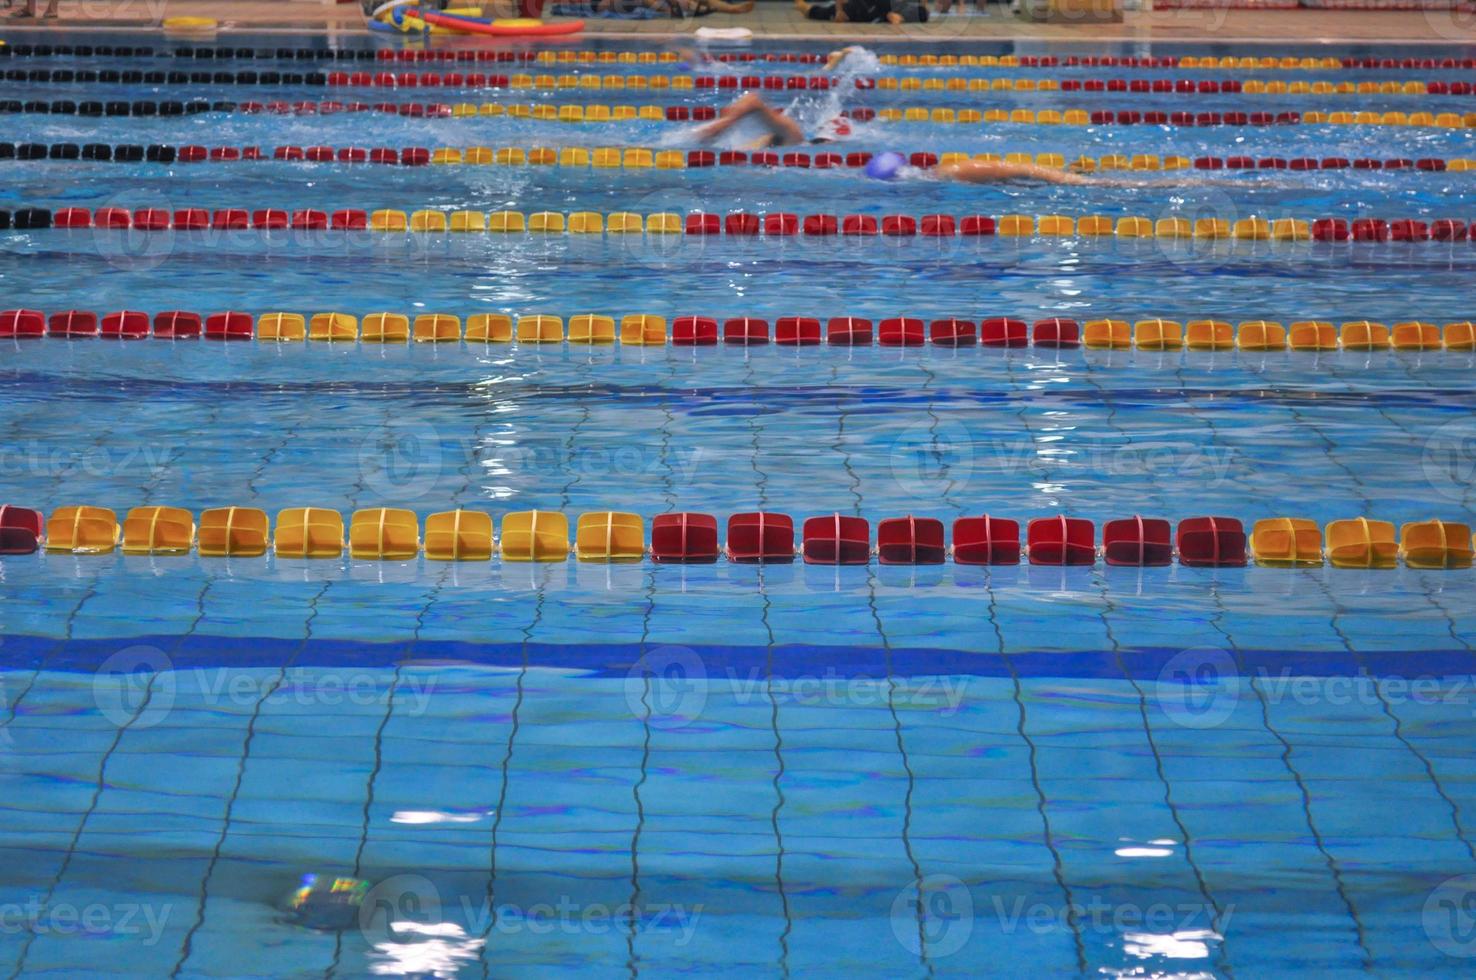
835	58
989	172
782	131
692	57
890	166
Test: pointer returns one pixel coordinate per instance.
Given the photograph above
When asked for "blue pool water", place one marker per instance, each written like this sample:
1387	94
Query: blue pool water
738	770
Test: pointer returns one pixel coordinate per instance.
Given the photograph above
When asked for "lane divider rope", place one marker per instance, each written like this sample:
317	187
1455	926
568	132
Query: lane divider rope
742	224
583	56
395	534
610	157
733	82
603	113
650	330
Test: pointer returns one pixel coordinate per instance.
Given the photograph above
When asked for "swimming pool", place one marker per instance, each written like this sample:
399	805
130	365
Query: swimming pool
777	768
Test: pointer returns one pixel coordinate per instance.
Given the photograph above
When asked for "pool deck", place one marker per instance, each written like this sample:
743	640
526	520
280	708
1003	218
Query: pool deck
779	21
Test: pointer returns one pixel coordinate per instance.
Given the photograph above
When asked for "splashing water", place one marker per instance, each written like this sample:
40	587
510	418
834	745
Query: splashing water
811	110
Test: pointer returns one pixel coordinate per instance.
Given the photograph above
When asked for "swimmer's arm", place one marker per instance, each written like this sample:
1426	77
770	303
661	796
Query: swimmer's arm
784	131
836	57
987	172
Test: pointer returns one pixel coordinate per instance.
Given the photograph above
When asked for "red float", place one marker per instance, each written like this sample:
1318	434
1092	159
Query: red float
952	333
1137	541
1211	541
684	538
1056	332
820	224
836	540
191	219
1061	540
20	530
797	331
1448	230
694	331
899	225
309	220
901	332
113	218
939	226
177	325
1409	230
71	218
72	323
760	537
976	224
699	223
848	331
228	326
910	541
1330	230
151	219
780	223
986	541
746	331
741	223
125	325
22	323
1370	230
1003	332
